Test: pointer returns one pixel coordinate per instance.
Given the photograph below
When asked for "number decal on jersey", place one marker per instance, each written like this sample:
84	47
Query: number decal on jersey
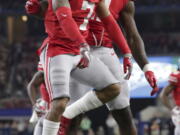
87	5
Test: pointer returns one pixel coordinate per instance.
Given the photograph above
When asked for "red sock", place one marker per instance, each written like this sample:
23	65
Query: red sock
64	125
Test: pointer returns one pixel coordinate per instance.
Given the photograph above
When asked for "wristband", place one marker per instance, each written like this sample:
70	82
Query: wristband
147	67
129	55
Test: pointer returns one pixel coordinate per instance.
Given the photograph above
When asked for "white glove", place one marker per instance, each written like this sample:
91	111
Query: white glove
127	64
85	52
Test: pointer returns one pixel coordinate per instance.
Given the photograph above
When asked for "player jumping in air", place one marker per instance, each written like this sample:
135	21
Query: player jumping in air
101	47
120	106
62	55
173	88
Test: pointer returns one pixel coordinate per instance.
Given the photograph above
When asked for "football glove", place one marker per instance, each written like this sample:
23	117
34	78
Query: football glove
32	7
85	53
41	107
150	77
127	64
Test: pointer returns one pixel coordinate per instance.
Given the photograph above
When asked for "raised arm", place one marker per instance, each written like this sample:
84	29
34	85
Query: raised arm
115	34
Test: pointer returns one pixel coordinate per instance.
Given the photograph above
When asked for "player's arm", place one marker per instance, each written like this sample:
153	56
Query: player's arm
133	37
164	96
115	34
36	8
63	12
67	23
136	44
112	27
33	86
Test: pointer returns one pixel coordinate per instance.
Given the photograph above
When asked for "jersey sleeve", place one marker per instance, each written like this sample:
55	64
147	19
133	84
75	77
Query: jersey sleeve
44	93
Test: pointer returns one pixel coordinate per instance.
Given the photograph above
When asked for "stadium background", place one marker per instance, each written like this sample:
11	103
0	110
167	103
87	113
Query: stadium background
20	35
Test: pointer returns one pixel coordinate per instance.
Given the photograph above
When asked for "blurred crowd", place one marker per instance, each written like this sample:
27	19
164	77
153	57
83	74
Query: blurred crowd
157	2
162	44
18	64
155	126
7	4
15	127
4	69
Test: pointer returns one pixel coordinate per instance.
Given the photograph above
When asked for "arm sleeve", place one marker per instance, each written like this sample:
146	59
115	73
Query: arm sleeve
68	24
115	33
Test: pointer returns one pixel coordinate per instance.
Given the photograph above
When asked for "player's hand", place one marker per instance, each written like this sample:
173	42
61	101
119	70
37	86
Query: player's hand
40	107
32	7
150	77
127	64
85	53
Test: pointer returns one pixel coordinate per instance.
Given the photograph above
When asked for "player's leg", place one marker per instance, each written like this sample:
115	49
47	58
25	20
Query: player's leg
57	74
121	112
96	75
75	125
120	105
124	120
77	90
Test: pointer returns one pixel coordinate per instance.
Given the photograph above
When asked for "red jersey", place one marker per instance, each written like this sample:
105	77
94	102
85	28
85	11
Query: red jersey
43	90
59	43
45	42
44	93
97	34
174	79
